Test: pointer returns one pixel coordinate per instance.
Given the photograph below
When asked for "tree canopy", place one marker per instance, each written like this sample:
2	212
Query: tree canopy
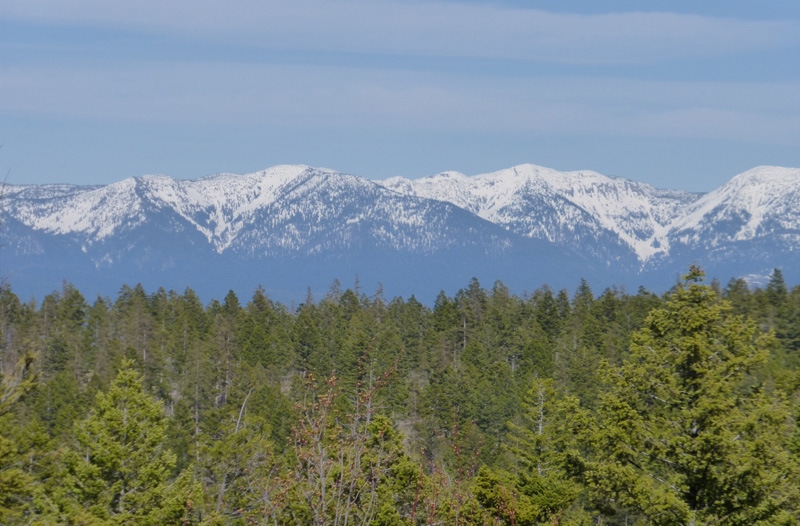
572	408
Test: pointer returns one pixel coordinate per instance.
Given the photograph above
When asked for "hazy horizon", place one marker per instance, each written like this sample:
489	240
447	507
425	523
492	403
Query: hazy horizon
676	95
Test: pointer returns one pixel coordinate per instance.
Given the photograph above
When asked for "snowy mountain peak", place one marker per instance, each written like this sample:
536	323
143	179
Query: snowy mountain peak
449	175
524	173
153	178
762	201
544	203
297	209
774	175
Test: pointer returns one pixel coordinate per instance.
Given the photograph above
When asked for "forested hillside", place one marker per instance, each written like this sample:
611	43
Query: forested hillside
559	408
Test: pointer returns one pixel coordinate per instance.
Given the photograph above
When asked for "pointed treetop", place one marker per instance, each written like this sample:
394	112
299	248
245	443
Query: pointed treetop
695	274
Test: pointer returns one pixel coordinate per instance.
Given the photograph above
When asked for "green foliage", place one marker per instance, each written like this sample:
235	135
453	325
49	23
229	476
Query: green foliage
497	493
16	485
236	464
540	447
682	436
496	410
119	473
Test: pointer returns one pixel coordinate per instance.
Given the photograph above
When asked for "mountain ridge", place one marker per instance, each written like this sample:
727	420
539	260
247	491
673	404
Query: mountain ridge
526	215
572	187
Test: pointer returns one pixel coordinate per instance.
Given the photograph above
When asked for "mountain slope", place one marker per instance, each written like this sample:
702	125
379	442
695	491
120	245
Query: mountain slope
761	202
750	225
290	226
228	228
570	208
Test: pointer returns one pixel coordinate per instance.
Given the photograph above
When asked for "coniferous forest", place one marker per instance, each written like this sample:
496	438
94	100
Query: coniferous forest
562	407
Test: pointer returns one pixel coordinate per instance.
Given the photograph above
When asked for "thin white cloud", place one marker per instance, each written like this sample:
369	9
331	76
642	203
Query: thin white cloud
311	97
424	28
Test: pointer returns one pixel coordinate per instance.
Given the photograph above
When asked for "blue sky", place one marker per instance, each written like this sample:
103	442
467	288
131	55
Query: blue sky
680	95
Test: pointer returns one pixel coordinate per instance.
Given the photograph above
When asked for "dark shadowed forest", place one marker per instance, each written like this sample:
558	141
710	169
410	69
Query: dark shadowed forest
558	408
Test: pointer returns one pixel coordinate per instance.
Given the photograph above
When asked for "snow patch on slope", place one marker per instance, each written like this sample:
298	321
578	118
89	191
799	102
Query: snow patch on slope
295	207
94	211
218	206
638	214
754	203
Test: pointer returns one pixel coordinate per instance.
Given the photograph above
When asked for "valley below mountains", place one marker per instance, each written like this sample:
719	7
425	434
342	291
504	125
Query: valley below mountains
292	229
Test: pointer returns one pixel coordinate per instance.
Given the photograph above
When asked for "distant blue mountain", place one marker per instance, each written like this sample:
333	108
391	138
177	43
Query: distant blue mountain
289	228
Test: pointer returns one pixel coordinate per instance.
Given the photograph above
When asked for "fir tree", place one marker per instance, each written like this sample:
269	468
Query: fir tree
120	472
16	485
681	437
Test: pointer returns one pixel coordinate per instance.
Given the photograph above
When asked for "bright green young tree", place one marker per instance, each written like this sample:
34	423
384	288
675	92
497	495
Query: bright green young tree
15	484
120	472
684	436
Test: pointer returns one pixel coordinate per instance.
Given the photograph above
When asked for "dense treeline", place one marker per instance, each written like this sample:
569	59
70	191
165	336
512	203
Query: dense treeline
489	408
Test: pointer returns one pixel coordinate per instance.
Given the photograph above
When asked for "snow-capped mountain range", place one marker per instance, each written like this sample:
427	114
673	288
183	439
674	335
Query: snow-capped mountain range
542	203
288	227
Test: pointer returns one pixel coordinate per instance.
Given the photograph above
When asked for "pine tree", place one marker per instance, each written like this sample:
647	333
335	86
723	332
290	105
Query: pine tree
539	447
681	437
237	463
15	484
120	472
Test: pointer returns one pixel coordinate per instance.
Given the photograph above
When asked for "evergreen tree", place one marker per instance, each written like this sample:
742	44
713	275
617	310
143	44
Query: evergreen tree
776	289
540	445
103	353
547	313
307	338
681	437
341	462
237	463
16	485
120	472
738	294
788	332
